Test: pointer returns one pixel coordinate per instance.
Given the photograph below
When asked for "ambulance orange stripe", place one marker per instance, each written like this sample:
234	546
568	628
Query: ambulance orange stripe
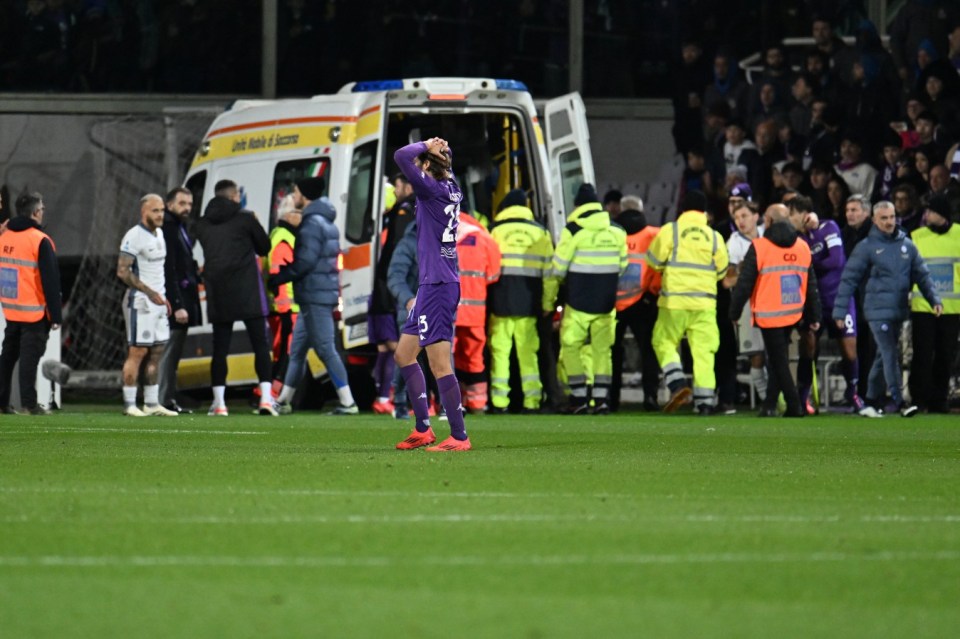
289	121
356	257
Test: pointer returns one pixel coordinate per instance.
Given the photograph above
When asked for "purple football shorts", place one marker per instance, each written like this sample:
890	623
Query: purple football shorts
849	322
434	313
382	328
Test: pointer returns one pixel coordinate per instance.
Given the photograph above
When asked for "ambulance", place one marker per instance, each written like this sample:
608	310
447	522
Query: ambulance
500	142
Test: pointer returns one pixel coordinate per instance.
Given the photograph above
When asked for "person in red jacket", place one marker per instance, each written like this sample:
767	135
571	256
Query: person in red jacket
479	259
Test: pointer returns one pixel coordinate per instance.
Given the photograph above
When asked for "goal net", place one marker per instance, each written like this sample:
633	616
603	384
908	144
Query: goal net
133	156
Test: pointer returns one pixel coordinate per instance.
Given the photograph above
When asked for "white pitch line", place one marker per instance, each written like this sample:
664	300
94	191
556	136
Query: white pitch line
175	431
469	518
234	561
391	494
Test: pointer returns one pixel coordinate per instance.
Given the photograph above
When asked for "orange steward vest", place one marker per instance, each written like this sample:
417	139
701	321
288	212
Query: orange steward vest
21	291
781	288
479	259
638	278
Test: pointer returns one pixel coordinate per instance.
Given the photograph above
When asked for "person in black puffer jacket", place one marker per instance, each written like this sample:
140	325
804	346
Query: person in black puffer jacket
232	238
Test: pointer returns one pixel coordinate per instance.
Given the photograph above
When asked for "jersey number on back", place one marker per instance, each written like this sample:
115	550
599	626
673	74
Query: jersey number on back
452	210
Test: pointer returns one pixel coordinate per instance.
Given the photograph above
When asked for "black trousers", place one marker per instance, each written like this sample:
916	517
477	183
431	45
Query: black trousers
257	332
24	342
776	341
934	348
640	319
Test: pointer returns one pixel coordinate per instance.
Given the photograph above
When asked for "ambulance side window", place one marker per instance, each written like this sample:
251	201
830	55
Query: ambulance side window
359	219
571	177
285	177
195	185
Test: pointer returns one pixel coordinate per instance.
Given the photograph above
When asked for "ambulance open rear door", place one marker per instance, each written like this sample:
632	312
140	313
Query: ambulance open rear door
568	145
361	202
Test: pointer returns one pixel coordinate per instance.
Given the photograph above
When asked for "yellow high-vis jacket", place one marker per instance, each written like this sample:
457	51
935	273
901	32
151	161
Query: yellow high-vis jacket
692	257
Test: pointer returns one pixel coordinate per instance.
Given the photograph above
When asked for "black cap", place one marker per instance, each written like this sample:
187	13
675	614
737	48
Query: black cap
516	197
586	193
694	201
941	205
312	187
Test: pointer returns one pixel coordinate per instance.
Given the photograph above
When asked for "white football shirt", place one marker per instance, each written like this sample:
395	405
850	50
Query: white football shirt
148	250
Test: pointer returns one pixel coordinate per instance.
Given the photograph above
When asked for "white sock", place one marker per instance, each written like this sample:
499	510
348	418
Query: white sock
286	394
383	400
151	395
346	397
218	395
759	378
266	393
129	395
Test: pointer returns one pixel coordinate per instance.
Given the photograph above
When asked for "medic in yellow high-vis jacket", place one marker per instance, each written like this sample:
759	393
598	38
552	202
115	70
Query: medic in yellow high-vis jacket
516	300
693	258
591	255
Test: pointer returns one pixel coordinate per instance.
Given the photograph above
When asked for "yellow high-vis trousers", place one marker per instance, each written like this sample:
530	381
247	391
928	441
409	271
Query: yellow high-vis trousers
575	330
700	329
505	332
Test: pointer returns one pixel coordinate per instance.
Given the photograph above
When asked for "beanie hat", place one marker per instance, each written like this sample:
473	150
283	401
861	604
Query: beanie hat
941	205
586	193
312	187
516	197
693	201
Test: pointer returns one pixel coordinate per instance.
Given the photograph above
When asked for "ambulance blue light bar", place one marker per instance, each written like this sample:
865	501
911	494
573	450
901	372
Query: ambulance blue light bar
511	85
377	85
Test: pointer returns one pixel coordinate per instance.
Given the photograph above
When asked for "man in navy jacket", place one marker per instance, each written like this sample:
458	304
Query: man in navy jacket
316	287
884	267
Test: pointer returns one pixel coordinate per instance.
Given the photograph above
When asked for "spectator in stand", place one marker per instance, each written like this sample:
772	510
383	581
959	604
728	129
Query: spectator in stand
935	338
838	193
823	144
878	268
793	177
907	206
916	22
804	90
939	87
736	144
920	167
817	66
760	161
894	167
827	43
728	87
820	175
953	50
927	125
775	71
942	186
857	173
869	102
768	105
690	81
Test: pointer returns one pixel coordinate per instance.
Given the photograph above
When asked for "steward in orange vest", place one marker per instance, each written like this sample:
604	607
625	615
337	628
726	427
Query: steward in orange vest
637	291
479	259
777	277
30	295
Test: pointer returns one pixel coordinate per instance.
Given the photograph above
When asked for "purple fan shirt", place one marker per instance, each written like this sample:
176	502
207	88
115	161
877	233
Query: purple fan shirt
826	251
438	210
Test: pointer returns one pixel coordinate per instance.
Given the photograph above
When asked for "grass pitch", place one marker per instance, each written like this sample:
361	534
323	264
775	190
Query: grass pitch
628	525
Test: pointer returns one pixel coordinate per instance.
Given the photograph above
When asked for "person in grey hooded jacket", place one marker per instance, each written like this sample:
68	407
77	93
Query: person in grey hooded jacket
884	267
316	287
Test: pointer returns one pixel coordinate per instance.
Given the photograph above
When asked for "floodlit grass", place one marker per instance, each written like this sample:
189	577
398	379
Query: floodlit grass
629	525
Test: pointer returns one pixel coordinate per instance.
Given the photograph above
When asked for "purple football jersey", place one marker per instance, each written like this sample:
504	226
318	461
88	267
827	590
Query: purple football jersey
438	210
826	251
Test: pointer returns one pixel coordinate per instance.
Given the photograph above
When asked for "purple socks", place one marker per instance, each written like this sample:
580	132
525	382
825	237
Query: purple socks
417	395
449	389
383	373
